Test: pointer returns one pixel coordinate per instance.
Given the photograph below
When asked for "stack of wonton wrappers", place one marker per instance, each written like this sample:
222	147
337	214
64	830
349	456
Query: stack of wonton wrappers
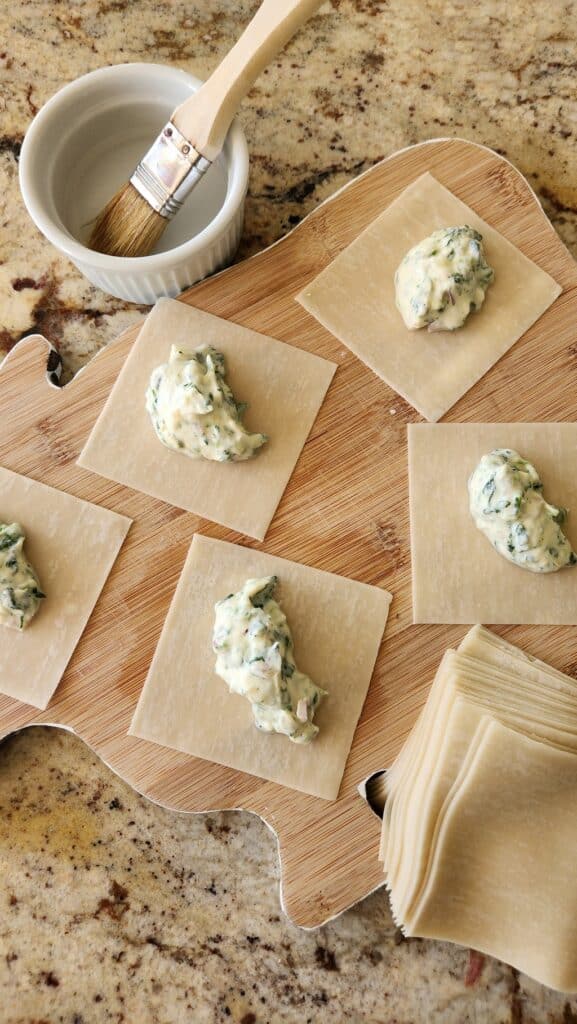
479	841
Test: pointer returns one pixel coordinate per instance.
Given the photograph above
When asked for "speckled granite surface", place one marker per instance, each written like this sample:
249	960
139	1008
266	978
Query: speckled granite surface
111	909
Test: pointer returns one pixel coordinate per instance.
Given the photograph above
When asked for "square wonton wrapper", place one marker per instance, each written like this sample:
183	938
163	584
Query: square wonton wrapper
337	626
505	857
284	388
354	298
72	545
457	574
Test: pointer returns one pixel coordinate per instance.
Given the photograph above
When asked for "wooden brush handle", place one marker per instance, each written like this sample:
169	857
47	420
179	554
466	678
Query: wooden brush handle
205	117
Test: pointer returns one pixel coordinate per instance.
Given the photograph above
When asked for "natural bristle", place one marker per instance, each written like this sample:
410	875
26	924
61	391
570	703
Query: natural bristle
127	226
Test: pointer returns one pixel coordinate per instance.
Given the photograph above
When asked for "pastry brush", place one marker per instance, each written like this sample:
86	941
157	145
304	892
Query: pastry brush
133	221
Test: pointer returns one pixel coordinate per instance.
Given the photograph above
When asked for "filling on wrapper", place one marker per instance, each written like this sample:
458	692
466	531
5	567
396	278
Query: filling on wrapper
507	503
20	592
443	279
255	657
194	411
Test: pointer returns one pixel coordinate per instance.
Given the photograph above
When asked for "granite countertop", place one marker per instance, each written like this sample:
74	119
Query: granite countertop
113	909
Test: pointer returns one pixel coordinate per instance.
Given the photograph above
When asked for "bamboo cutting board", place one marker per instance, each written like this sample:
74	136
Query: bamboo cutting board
345	511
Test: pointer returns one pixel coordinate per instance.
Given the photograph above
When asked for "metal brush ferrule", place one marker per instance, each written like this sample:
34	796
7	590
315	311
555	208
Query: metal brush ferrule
169	171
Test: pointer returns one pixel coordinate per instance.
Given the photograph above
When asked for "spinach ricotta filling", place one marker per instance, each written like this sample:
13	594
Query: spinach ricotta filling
443	279
507	503
193	410
255	657
20	593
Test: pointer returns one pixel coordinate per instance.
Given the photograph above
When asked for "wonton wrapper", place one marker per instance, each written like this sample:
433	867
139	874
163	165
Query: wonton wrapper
479	826
284	388
504	874
457	574
354	298
464	691
337	625
72	545
510	682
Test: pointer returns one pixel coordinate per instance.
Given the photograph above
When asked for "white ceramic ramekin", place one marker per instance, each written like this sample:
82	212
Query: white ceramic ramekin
85	142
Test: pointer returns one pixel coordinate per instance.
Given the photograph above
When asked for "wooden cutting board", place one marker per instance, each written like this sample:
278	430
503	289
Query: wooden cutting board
345	510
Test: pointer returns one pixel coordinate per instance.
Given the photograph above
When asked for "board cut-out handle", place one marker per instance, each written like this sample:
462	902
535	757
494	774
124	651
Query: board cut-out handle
35	355
206	116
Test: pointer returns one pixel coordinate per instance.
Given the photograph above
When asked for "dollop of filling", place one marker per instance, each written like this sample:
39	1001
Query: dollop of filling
255	657
443	279
193	410
507	503
20	592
